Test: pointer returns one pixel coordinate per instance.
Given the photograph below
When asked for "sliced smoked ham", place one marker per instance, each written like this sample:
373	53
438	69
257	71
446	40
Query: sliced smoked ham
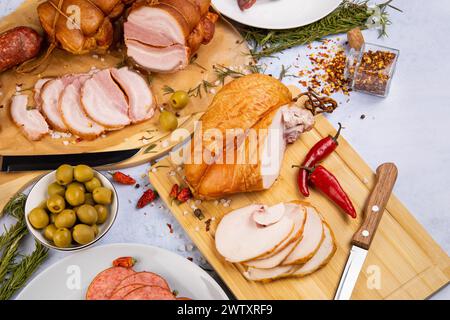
322	256
104	102
141	101
256	274
73	114
313	235
30	120
160	36
239	238
37	91
297	213
50	94
164	60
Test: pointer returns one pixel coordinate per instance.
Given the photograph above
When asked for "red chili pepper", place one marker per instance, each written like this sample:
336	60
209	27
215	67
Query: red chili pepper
174	191
184	195
146	198
329	185
122	178
318	152
126	262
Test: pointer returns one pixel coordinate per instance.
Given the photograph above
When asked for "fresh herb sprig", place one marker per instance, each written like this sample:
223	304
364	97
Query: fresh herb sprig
349	15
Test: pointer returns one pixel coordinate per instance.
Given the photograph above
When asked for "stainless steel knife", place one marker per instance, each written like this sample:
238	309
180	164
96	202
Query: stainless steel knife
386	177
50	162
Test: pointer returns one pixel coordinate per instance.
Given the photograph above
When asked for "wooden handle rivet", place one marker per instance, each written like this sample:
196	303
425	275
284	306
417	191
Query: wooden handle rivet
375	209
365	233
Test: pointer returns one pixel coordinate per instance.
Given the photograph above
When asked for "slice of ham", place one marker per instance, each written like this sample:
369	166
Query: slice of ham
104	102
321	257
141	101
298	214
163	60
256	274
145	278
50	94
150	293
312	237
239	238
29	120
37	91
73	113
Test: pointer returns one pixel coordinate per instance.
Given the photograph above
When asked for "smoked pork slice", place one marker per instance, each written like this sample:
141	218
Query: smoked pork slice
256	274
73	113
239	238
150	293
50	95
30	120
120	293
313	235
298	214
141	101
145	278
164	60
104	102
321	257
103	285
37	91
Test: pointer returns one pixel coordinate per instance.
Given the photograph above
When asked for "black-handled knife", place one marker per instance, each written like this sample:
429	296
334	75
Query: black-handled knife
51	162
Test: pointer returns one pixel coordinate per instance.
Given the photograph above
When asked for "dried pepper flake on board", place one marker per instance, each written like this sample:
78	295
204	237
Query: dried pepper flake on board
148	197
122	178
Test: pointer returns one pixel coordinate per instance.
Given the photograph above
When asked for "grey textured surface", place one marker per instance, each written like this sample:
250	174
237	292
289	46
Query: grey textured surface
410	128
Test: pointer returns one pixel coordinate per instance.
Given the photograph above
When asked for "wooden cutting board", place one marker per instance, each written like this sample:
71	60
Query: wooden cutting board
404	262
227	49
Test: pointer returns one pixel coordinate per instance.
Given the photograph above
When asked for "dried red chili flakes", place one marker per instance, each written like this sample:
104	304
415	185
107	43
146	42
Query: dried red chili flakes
208	224
170	227
122	178
190	259
184	195
174	191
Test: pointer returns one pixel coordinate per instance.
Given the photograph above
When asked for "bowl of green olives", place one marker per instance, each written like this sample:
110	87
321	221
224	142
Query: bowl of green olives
71	208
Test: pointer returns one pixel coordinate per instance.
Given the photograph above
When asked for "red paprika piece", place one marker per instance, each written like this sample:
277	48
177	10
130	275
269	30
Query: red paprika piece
148	197
174	191
316	154
184	195
126	262
326	182
122	178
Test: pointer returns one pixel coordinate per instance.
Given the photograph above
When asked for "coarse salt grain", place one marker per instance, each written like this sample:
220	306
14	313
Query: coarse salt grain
190	247
165	143
172	173
198	202
65	142
154	170
185	213
375	208
197	229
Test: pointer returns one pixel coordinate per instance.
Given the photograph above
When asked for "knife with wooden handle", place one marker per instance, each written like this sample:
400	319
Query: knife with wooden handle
386	177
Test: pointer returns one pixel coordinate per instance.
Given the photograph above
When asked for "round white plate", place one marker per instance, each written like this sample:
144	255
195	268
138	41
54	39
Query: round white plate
277	14
69	278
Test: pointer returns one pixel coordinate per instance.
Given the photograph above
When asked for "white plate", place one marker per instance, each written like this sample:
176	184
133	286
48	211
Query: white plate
69	278
277	14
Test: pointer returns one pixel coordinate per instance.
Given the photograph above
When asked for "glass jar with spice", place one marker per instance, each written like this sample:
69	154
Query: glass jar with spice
371	69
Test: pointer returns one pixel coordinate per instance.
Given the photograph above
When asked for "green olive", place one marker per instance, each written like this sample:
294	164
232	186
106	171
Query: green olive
87	214
66	219
49	232
56	203
179	99
62	238
168	121
55	188
92	184
64	174
89	199
38	218
95	229
102	195
83	234
83	173
102	212
77	185
75	196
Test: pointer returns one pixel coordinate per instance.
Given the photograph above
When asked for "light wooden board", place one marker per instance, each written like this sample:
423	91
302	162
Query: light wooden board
409	262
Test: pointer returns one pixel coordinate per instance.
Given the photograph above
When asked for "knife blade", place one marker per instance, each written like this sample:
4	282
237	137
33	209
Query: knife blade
51	162
362	239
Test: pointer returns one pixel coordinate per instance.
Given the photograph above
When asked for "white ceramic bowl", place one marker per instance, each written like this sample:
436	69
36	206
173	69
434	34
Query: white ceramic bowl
38	194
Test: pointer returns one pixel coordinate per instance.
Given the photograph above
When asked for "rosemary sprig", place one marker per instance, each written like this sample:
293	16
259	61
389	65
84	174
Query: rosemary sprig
168	90
15	207
284	73
9	256
12	233
204	86
349	15
223	72
22	271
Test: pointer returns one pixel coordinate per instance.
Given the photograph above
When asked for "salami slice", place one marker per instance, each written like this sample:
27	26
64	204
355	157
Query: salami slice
146	278
150	293
120	293
103	285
